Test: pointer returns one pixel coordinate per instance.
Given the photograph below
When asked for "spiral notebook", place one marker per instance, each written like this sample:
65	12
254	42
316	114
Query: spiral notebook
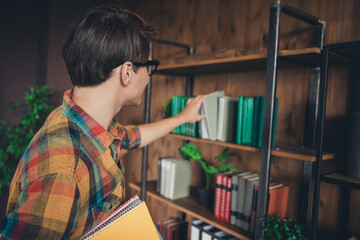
125	223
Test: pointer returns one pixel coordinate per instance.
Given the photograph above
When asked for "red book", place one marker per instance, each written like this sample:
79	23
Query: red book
225	180
217	202
228	198
278	201
177	230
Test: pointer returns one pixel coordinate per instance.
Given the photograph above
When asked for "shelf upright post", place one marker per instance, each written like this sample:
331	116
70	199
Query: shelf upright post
320	139
270	94
145	150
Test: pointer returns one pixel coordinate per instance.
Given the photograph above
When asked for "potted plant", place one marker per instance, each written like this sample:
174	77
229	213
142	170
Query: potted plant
191	151
14	138
278	229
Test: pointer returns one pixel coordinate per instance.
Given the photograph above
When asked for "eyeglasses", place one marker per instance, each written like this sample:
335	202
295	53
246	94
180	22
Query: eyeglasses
151	64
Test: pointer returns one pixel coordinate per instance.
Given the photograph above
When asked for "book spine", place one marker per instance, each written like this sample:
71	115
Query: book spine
158	184
234	194
239	120
254	207
228	199
218	183
223	197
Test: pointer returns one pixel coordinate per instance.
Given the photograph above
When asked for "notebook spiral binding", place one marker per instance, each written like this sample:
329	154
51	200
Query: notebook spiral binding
123	210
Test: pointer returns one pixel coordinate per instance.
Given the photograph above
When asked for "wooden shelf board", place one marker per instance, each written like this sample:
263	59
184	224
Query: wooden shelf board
297	153
252	62
190	206
342	179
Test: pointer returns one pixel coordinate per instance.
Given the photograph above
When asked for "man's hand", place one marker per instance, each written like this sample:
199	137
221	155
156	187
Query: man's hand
190	114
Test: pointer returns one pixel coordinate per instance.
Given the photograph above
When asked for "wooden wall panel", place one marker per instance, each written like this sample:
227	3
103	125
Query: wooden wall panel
214	25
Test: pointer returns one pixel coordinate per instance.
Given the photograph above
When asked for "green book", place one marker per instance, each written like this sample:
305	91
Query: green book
239	120
262	107
248	115
256	122
173	110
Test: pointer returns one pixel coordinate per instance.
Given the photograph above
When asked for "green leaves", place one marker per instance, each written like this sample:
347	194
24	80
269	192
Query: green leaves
14	138
191	151
224	156
277	229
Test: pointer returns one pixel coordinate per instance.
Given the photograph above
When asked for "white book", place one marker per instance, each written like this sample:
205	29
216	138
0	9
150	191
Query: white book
204	126
195	232
210	106
221	118
206	232
163	176
180	176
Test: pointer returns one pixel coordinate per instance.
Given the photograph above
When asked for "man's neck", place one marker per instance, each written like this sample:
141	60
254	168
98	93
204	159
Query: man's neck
98	102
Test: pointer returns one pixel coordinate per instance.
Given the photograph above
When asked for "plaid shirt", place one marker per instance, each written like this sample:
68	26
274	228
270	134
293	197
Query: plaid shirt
68	179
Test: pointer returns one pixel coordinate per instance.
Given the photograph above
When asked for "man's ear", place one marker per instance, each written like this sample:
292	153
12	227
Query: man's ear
126	73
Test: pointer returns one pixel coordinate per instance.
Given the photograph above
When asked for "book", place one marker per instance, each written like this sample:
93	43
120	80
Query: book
158	182
239	120
221	235
179	178
278	200
173	228
234	196
210	107
249	189
247	122
227	202
218	191
196	229
241	198
177	230
129	216
227	119
272	186
163	226
208	232
258	117
226	176
260	121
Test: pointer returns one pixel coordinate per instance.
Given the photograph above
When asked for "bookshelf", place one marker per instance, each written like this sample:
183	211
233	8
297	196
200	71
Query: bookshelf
304	58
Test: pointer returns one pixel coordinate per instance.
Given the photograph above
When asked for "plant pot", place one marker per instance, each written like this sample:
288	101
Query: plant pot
206	197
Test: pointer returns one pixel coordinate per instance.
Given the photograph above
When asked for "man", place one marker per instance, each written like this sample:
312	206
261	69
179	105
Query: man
68	179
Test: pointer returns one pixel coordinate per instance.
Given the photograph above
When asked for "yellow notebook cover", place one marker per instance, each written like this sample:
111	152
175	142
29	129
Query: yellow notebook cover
132	221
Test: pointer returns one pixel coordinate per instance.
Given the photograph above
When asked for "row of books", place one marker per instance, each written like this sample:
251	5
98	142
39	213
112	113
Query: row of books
178	103
236	197
174	175
200	230
173	228
228	119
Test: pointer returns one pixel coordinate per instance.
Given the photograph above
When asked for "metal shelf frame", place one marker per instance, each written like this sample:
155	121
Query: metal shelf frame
276	9
354	57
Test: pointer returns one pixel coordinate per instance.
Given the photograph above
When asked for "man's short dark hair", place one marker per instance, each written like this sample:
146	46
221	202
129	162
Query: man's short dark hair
102	39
